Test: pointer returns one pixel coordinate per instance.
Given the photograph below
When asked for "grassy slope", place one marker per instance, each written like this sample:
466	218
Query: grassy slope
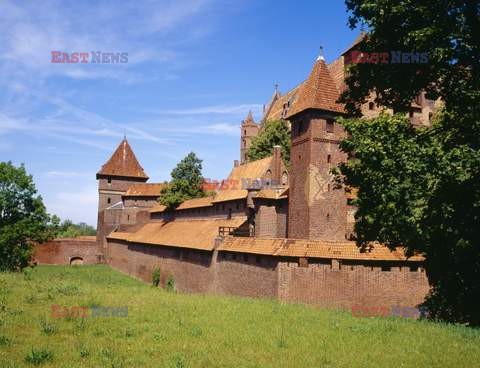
175	330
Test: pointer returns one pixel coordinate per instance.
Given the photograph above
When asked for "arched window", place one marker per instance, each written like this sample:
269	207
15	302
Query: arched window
284	178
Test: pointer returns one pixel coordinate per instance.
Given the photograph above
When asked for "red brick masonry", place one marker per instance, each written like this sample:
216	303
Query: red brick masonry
327	283
67	251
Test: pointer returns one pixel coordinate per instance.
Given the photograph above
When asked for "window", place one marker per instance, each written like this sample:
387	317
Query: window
108	200
328	217
109	180
284	178
245	257
245	132
410	113
244	143
371	105
128	217
329	159
329	126
229	216
300	127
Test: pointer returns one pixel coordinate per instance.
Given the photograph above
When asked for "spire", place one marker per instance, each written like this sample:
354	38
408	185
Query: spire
123	163
318	91
320	55
249	120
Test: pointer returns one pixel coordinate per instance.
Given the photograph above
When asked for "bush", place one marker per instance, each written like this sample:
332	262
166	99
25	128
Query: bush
170	283
156	276
37	357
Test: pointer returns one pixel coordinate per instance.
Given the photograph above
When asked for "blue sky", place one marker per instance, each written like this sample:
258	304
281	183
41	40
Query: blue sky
194	70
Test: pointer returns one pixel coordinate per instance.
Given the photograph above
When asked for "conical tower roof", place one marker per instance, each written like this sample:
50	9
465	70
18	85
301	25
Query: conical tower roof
318	91
123	163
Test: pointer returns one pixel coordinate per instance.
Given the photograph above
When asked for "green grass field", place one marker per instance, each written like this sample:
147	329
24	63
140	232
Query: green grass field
166	329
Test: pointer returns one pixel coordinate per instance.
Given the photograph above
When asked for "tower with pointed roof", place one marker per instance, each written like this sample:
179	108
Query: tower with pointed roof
316	209
249	130
116	175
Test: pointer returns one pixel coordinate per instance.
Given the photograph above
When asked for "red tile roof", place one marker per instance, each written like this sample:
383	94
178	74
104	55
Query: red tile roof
317	92
193	234
314	249
123	163
144	190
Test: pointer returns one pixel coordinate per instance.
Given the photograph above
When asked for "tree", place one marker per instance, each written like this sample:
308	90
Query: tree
186	182
23	218
275	132
67	229
421	188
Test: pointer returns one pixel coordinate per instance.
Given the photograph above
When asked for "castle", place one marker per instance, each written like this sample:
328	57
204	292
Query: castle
291	242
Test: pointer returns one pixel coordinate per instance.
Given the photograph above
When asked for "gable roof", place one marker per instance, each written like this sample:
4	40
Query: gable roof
275	111
252	170
144	190
318	91
123	163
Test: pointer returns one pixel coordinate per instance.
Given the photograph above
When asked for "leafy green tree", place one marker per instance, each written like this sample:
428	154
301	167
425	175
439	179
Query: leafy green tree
67	229
275	132
186	182
23	217
421	188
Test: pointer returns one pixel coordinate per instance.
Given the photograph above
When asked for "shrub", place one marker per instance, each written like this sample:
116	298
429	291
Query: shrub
170	283
156	276
37	357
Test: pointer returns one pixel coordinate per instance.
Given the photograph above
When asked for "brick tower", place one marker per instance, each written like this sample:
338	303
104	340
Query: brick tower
316	210
249	130
114	178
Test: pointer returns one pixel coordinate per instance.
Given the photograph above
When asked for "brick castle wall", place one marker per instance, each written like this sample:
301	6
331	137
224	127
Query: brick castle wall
62	251
327	283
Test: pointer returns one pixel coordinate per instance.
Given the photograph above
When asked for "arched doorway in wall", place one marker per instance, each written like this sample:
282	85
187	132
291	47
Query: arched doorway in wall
76	261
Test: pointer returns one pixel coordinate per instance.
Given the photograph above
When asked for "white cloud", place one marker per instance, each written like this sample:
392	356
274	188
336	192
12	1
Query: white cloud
218	109
78	206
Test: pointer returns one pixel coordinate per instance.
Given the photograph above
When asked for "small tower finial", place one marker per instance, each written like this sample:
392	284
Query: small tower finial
276	87
320	56
124	134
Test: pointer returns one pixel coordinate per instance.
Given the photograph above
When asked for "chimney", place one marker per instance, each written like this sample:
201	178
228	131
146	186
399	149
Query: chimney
235	163
277	163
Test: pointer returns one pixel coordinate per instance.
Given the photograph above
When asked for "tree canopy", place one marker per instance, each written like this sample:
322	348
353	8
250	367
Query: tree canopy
23	217
420	188
67	229
273	133
186	182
